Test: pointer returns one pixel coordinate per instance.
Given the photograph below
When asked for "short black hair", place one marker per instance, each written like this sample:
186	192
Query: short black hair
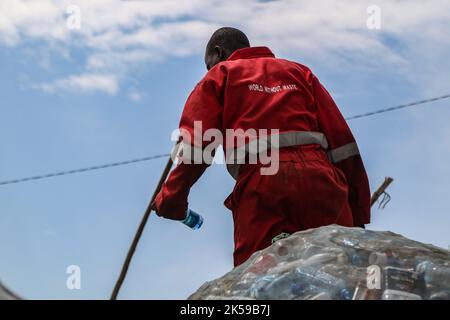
229	38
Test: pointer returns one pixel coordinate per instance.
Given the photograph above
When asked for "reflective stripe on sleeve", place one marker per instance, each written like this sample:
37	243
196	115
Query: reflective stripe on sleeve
344	152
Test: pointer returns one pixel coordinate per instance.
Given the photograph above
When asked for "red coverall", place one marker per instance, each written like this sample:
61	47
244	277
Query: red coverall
318	183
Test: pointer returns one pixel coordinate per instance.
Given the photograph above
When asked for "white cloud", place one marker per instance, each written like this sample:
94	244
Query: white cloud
84	83
135	95
118	35
21	19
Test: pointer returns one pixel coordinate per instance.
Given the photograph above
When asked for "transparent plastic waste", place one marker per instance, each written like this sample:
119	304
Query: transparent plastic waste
338	263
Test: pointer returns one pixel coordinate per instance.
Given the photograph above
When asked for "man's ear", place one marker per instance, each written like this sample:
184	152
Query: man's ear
220	51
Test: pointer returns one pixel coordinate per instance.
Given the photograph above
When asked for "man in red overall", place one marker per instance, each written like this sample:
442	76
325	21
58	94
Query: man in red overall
320	179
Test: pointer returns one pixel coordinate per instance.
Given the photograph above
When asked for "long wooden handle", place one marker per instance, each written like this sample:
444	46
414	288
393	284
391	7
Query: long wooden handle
380	190
137	236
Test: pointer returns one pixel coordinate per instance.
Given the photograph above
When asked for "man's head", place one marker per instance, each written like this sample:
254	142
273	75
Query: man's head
222	44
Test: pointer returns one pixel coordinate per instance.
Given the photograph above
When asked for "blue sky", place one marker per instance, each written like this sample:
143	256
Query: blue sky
114	90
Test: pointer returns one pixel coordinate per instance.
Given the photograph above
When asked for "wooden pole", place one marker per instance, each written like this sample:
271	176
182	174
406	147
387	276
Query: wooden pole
137	236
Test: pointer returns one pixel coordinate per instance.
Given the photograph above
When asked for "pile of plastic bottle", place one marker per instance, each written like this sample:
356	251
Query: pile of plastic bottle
339	263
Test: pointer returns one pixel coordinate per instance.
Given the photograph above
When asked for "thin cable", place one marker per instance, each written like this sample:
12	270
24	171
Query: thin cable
98	167
368	114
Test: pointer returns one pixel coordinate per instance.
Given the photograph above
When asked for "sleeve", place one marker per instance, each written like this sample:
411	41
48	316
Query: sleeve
343	152
202	111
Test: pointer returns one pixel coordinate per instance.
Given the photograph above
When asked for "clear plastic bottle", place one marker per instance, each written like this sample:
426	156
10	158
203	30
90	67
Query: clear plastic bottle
434	275
399	279
334	286
193	220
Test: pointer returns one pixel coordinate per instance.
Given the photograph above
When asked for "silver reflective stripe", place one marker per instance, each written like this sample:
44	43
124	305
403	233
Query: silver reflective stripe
344	152
298	138
284	139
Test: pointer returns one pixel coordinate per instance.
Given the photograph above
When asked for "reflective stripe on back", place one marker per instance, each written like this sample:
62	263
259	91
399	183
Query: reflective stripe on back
284	139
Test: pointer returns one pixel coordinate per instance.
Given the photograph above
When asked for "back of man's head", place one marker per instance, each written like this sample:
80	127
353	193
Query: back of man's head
223	43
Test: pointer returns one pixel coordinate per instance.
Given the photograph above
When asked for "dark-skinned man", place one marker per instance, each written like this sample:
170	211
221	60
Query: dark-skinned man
320	179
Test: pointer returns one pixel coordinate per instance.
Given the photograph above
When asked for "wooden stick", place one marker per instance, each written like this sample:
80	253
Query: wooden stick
137	236
380	190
